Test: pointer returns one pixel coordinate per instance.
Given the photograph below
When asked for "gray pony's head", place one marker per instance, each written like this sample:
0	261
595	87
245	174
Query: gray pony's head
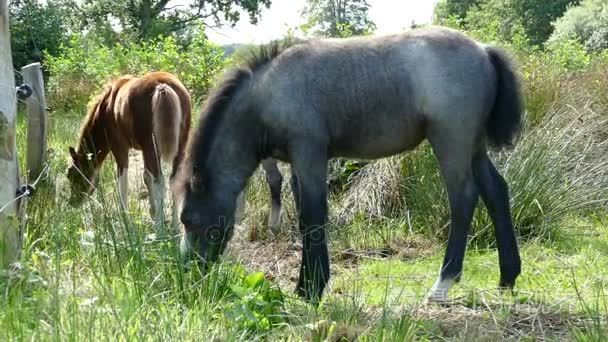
208	195
207	205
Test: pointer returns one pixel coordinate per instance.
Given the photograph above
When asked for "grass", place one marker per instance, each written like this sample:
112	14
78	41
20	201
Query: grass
97	273
94	273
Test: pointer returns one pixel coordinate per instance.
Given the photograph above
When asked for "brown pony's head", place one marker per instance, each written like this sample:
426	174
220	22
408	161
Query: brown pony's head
92	148
82	175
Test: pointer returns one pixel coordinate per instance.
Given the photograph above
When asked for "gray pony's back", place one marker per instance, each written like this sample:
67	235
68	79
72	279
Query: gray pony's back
358	85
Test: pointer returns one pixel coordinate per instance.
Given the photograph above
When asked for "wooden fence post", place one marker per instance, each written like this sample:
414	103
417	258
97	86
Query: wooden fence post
36	120
10	234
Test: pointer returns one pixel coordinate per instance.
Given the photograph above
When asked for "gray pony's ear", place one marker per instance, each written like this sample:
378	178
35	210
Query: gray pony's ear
73	153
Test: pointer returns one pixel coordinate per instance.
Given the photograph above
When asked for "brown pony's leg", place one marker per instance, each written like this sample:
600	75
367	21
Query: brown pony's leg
153	178
122	167
177	160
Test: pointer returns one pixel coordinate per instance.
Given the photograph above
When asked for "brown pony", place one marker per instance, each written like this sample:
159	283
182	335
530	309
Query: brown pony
149	113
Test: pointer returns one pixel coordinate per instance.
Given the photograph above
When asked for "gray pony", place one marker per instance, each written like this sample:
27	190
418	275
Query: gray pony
363	98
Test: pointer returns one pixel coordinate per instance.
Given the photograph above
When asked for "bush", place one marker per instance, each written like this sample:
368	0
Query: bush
545	74
587	22
568	55
86	64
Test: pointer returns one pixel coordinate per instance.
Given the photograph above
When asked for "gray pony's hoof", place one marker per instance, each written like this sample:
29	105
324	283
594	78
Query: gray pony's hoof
439	291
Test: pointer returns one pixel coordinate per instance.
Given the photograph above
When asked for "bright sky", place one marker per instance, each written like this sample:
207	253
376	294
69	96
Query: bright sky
388	15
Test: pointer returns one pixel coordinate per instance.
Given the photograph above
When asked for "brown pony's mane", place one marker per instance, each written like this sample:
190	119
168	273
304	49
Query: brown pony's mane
221	97
104	100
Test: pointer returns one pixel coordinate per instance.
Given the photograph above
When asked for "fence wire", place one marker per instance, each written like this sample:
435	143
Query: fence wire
27	190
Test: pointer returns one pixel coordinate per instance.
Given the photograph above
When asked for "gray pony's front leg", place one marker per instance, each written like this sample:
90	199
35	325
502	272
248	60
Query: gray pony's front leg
275	182
310	166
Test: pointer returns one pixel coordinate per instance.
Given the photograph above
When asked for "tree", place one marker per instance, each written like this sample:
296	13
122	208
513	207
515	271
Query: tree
587	23
537	16
457	8
147	19
337	18
38	27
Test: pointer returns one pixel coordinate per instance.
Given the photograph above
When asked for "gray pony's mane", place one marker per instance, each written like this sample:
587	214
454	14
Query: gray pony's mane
221	97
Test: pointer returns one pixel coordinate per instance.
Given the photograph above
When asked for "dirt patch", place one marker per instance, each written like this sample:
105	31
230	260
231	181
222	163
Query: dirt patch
398	248
278	258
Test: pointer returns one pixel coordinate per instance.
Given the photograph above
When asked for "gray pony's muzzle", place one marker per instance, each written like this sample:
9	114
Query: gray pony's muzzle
190	255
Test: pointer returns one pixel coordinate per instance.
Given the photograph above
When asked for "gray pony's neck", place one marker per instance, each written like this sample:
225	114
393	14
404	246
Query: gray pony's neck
236	151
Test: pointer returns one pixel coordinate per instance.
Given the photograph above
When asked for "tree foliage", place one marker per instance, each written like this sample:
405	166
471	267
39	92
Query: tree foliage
537	16
146	19
38	26
534	16
337	18
587	23
456	8
86	63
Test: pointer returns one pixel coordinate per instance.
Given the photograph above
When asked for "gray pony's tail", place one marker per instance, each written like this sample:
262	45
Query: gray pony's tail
504	122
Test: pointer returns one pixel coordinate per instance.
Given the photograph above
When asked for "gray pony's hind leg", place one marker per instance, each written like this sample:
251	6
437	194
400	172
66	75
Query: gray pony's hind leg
495	194
241	203
295	190
275	182
455	157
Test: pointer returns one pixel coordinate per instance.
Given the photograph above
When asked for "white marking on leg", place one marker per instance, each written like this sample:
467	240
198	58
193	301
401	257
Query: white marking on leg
174	214
184	245
149	181
158	189
156	193
439	291
123	188
274	223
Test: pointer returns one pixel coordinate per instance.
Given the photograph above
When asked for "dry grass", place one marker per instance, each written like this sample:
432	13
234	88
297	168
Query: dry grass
376	191
495	321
